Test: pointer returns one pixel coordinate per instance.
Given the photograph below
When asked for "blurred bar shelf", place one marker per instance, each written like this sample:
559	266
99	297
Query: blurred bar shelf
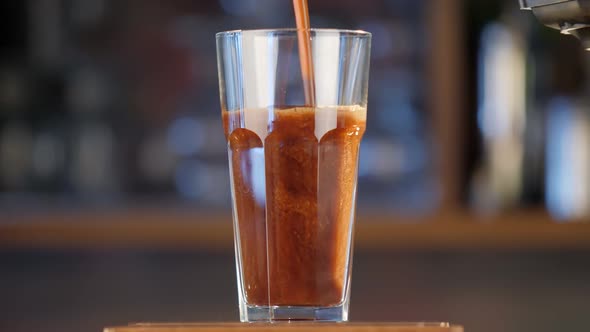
168	230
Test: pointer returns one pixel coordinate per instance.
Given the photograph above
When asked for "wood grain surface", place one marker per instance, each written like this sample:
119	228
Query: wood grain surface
295	327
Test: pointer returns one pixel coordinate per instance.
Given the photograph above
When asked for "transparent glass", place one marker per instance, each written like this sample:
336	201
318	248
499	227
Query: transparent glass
293	167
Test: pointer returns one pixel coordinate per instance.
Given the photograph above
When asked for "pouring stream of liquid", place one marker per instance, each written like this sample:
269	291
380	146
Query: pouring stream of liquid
305	57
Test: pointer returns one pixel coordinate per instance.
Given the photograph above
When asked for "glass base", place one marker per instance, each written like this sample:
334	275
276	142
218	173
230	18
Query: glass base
293	313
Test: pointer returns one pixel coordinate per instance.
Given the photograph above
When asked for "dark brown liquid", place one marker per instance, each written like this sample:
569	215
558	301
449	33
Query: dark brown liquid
294	180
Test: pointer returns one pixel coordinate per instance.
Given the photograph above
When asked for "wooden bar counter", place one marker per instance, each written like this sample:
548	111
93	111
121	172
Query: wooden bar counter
289	327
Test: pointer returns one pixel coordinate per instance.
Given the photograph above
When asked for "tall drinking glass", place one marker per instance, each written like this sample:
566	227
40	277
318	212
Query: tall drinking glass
293	167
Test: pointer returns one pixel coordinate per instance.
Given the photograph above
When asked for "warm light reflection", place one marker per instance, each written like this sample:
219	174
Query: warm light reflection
501	114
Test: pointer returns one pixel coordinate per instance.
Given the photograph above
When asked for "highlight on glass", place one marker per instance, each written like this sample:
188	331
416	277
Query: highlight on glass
293	120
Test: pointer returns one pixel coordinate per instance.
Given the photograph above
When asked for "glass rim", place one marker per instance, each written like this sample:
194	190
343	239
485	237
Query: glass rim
349	32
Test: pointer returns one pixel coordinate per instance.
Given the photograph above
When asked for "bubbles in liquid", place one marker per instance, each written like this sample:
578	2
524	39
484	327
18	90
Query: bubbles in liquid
294	180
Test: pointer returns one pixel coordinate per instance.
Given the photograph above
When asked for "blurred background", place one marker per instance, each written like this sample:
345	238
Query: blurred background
474	180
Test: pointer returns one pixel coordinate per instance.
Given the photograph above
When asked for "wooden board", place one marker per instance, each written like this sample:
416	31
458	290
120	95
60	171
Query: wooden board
292	326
